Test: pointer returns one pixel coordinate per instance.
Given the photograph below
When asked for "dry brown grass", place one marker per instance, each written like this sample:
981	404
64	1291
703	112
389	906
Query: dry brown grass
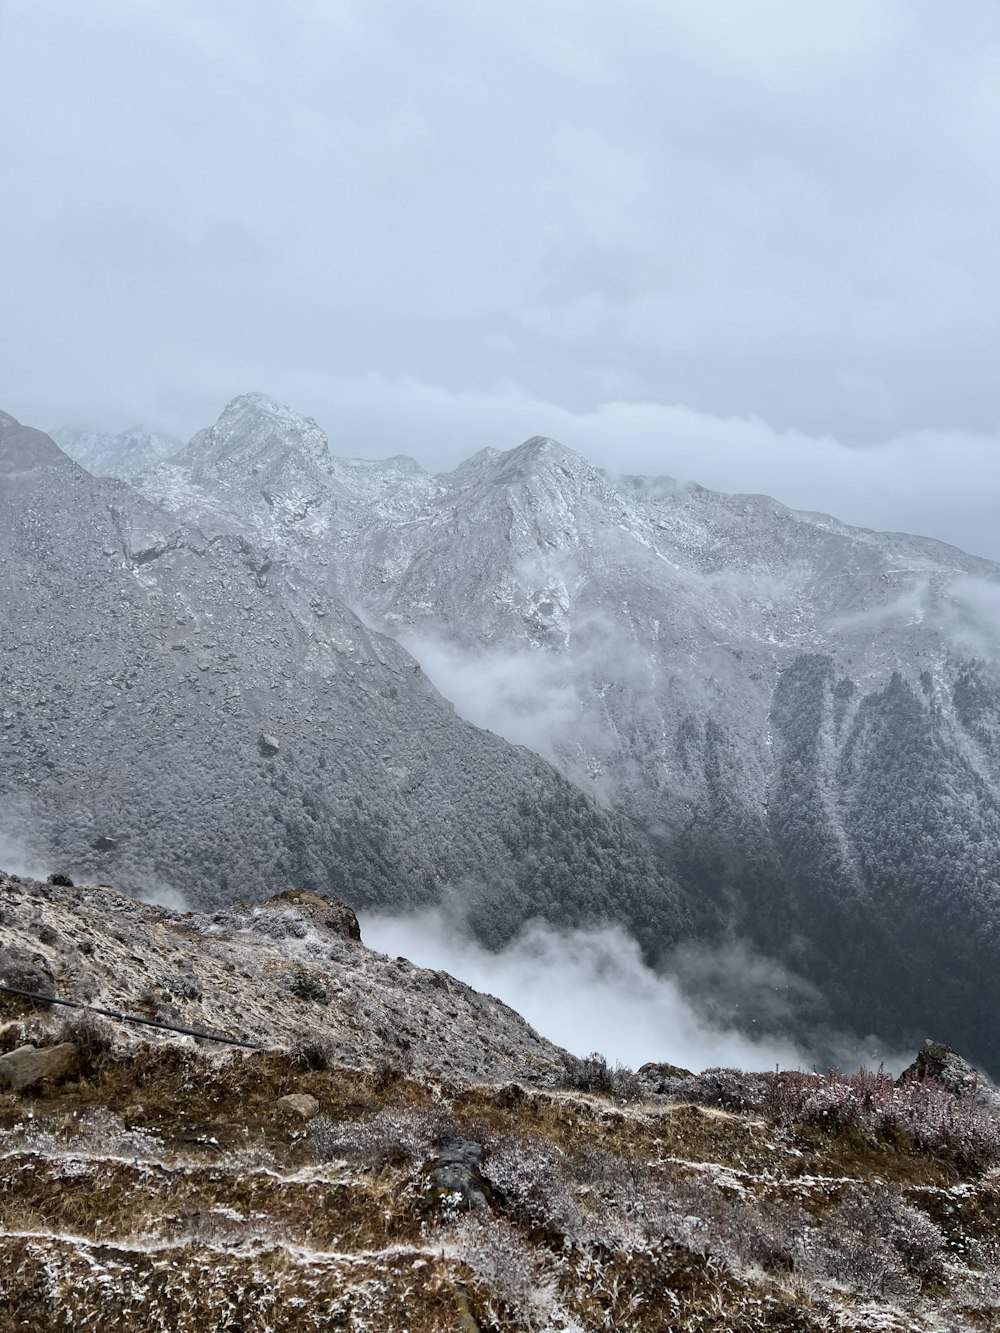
592	1208
192	1291
117	1200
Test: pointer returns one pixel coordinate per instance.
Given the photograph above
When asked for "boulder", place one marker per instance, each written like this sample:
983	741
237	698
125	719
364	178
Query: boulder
659	1069
454	1176
330	914
937	1063
28	1065
302	1105
26	972
663	1079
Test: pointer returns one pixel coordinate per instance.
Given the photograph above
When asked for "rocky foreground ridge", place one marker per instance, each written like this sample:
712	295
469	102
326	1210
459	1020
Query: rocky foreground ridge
396	1152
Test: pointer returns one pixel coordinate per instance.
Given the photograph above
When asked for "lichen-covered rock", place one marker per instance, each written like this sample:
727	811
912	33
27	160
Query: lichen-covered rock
301	1105
28	1065
940	1064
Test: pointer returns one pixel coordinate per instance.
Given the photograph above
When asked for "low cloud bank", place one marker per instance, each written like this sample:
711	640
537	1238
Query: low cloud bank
520	694
17	859
156	891
587	990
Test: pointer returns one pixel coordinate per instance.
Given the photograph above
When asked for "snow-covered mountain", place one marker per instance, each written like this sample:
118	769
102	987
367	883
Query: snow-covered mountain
121	455
182	707
803	716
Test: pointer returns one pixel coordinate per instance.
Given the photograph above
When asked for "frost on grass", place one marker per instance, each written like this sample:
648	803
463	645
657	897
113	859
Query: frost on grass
159	1189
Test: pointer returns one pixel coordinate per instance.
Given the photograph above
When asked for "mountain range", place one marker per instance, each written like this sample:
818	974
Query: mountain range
180	706
706	717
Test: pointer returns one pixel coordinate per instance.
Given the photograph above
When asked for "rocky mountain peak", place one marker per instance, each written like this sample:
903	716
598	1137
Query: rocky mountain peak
542	453
541	471
257	432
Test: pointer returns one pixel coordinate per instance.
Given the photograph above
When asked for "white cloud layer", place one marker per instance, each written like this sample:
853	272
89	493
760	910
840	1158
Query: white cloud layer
589	990
449	224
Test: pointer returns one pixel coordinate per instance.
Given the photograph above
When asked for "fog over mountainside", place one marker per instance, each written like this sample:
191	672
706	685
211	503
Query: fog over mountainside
802	716
750	725
120	455
182	708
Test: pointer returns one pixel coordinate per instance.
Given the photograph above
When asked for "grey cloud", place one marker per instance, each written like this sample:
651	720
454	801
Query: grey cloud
587	990
578	215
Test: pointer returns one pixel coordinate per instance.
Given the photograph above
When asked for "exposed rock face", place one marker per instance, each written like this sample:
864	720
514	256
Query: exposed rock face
329	914
454	1176
942	1065
28	1065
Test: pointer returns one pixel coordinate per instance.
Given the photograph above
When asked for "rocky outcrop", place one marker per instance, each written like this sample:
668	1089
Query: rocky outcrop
329	914
454	1176
27	1065
291	972
939	1064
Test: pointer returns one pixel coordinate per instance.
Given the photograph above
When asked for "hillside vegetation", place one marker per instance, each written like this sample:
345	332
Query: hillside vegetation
155	1182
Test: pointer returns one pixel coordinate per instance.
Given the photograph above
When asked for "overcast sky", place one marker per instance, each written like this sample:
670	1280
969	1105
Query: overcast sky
749	242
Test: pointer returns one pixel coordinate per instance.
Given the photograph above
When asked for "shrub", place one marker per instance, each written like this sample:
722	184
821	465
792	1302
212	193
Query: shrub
729	1089
305	987
388	1137
312	1054
509	1270
937	1121
530	1175
877	1242
594	1074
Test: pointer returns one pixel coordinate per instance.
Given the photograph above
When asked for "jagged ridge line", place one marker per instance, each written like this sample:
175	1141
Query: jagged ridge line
129	1018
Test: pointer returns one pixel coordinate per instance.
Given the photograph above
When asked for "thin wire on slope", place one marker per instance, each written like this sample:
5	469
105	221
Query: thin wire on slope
129	1018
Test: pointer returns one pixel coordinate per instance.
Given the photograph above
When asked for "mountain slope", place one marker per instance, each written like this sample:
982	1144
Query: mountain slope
803	715
374	1165
178	707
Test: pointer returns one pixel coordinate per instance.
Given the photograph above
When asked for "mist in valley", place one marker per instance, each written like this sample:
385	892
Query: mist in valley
590	990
